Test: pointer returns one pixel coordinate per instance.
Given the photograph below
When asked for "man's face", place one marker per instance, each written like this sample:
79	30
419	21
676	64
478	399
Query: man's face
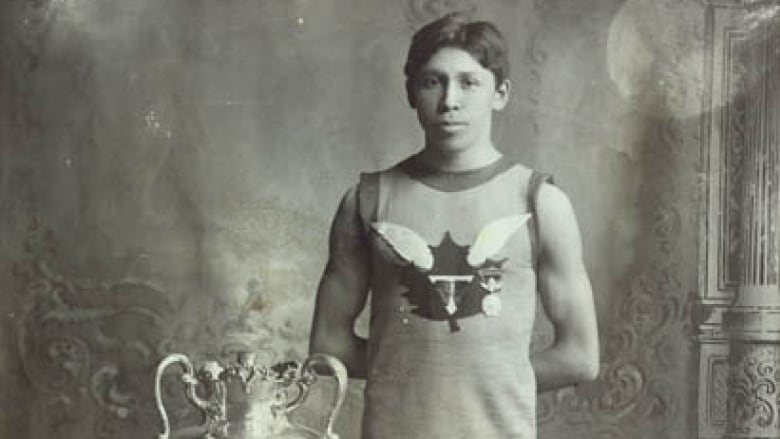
455	97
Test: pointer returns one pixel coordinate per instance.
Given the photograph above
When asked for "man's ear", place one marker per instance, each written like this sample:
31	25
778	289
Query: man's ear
501	95
410	93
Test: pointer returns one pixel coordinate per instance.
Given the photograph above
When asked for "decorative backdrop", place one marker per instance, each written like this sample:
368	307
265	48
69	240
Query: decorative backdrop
168	170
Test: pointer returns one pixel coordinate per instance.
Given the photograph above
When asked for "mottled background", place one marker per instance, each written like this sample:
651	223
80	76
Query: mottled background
169	168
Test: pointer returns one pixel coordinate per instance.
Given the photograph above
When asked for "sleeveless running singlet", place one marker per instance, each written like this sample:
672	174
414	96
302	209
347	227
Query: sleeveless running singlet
453	300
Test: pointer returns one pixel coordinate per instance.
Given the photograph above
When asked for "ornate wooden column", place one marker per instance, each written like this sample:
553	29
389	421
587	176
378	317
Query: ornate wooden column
752	322
739	332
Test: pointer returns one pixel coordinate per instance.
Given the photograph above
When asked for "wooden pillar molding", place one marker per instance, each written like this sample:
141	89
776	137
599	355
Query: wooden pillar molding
739	335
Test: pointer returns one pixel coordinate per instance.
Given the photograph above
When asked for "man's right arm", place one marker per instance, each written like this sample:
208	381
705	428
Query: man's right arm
343	290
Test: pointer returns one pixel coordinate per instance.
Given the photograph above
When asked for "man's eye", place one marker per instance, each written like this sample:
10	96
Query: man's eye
429	82
468	83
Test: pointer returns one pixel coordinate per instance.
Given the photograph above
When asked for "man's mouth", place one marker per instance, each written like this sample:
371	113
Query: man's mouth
452	125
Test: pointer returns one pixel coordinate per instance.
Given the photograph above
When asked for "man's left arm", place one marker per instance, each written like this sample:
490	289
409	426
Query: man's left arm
566	295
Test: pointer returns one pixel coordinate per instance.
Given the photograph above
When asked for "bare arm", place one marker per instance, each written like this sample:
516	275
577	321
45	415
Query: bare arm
343	290
566	295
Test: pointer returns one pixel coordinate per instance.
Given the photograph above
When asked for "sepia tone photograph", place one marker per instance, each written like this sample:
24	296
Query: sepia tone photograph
381	219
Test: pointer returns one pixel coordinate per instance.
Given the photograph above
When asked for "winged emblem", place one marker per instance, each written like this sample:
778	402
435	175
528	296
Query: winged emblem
450	281
412	248
493	237
406	243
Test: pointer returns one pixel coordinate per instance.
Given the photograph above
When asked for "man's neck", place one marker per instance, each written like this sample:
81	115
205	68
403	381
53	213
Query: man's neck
467	159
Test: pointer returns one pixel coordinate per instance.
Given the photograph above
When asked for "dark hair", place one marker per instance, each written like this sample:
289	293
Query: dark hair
481	39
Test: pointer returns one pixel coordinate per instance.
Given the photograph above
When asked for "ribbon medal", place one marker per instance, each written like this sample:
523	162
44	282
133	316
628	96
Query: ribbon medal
491	305
490	281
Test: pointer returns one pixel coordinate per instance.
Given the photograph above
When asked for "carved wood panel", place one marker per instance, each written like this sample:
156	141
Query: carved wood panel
738	138
754	393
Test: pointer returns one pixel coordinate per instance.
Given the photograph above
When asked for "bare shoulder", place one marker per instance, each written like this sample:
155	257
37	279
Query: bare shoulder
348	204
346	229
553	202
558	227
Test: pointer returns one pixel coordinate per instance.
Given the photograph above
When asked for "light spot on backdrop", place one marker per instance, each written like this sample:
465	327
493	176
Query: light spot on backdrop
655	60
155	125
655	56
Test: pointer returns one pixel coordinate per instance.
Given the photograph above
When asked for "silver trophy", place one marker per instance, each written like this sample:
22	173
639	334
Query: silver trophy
247	401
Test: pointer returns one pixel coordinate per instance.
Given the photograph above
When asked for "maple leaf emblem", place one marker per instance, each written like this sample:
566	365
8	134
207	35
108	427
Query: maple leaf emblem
451	290
449	281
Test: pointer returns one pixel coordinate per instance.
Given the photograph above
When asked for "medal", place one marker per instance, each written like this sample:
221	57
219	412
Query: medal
491	305
490	281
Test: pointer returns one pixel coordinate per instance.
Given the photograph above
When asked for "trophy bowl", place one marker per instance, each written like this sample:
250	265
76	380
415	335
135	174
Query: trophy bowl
245	401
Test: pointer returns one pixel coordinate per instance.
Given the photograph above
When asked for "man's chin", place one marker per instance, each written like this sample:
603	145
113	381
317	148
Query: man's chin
450	145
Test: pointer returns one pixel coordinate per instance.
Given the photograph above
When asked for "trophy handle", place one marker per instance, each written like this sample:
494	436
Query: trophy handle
189	375
308	374
213	410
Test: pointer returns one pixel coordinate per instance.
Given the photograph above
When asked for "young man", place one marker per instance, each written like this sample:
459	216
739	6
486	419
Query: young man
453	244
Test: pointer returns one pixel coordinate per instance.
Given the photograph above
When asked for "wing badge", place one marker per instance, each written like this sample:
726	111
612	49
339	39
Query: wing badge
451	281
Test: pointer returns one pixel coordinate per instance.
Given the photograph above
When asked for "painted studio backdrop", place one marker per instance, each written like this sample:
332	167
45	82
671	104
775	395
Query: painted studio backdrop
169	169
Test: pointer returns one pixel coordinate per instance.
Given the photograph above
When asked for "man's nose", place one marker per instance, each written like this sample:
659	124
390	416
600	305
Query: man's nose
451	97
